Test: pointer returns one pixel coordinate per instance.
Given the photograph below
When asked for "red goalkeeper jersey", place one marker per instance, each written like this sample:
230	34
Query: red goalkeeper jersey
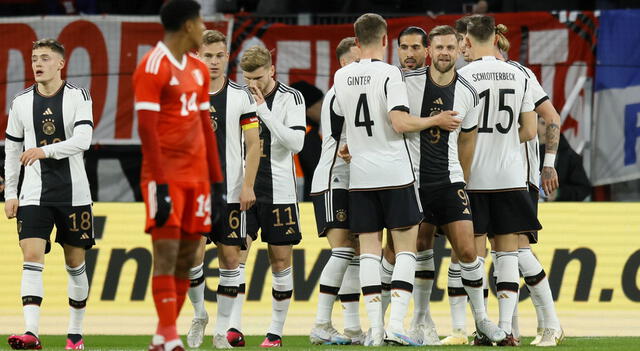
177	92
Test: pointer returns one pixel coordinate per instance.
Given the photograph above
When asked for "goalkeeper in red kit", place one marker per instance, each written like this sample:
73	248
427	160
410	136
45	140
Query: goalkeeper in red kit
181	172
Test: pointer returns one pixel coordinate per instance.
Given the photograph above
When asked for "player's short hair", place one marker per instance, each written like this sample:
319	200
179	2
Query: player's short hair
211	36
370	28
345	46
462	22
254	58
503	42
481	28
443	30
413	30
50	43
174	13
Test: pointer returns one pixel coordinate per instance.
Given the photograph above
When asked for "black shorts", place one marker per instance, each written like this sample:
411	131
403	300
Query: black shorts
278	223
373	210
446	204
332	210
534	194
233	229
505	212
74	224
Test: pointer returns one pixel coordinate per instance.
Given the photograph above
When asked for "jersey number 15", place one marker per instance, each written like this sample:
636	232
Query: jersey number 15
484	127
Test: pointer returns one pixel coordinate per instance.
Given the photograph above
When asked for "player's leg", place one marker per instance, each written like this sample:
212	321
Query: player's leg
227	292
165	245
234	333
282	289
540	291
386	271
35	224
332	275
78	290
349	295
370	283
508	278
422	326
196	296
457	297
331	218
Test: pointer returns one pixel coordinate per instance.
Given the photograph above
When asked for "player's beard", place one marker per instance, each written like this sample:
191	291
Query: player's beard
444	67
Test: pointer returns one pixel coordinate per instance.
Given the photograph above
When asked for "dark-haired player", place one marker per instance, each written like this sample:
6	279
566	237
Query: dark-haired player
412	48
180	158
52	120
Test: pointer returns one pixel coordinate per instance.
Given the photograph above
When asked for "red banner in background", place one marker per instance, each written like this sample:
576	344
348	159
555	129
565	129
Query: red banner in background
102	52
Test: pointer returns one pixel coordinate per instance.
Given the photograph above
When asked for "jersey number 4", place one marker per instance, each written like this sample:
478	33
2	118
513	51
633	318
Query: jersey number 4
484	128
363	108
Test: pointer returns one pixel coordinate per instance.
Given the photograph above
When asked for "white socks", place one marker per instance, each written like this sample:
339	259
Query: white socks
330	281
386	271
78	289
281	293
472	275
235	321
538	284
422	286
196	291
350	295
402	288
507	286
32	292
457	297
371	289
226	296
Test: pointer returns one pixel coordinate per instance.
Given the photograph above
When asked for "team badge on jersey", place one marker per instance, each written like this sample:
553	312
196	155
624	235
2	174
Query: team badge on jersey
48	128
341	215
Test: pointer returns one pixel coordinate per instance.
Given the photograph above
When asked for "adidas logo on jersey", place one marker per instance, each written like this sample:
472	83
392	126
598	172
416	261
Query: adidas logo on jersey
84	236
290	231
212	109
438	101
174	81
466	211
233	235
47	112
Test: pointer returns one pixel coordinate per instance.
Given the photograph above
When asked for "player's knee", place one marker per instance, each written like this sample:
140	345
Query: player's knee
467	254
33	254
229	261
280	263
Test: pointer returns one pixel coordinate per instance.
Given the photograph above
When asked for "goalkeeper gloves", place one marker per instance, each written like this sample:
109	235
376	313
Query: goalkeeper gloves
163	202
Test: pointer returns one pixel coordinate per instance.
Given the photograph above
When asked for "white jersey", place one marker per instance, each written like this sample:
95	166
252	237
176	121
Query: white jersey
503	91
282	112
434	151
531	149
332	172
232	110
366	91
62	125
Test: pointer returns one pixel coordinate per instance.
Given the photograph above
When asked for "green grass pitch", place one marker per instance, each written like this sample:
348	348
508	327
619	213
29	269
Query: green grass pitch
126	343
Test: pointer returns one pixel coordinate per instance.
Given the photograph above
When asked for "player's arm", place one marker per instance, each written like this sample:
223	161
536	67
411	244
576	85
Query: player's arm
398	111
552	134
80	141
12	147
289	132
466	148
528	118
249	124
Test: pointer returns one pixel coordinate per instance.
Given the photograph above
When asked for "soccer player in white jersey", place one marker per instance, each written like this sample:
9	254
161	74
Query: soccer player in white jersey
412	48
371	98
281	111
234	120
549	331
53	122
440	173
497	188
329	193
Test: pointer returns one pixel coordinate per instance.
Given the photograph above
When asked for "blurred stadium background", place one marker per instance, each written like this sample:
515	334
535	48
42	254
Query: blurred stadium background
585	53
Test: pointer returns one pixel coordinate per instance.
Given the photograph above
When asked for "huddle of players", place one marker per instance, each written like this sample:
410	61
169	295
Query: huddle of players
369	185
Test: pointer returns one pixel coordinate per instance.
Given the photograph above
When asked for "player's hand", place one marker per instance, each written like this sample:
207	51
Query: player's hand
344	154
218	207
255	91
1	184
30	156
11	208
549	180
447	120
163	200
247	197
